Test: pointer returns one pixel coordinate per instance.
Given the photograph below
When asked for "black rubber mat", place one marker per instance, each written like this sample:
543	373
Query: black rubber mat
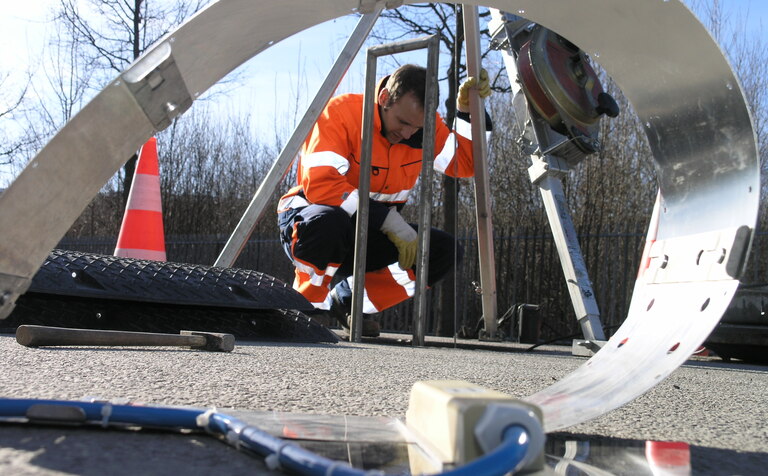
91	291
73	273
111	314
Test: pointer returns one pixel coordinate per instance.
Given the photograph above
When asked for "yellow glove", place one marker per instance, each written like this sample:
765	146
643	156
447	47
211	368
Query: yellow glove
403	236
483	89
406	257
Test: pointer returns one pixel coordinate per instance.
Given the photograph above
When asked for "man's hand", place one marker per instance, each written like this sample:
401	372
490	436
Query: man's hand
483	89
403	236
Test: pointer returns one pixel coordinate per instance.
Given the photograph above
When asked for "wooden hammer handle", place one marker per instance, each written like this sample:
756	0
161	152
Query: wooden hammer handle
34	336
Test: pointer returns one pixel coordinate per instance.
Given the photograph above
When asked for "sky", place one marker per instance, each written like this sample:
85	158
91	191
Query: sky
278	86
278	83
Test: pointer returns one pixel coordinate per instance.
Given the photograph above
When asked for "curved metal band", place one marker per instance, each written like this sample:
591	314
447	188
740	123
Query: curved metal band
667	65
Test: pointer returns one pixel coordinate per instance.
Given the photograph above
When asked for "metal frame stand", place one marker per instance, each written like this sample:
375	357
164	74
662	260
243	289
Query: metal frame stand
428	153
255	210
552	157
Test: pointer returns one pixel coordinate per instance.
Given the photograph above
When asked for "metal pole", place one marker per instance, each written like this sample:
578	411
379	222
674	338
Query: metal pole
571	259
482	186
364	190
425	198
364	185
255	209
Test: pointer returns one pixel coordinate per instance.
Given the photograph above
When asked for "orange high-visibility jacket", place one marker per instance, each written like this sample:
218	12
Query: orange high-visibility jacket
329	166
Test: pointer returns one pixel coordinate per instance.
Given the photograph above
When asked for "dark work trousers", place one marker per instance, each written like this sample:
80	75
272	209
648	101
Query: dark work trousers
326	235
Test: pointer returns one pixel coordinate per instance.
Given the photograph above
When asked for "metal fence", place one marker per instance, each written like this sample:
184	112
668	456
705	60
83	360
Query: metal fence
527	269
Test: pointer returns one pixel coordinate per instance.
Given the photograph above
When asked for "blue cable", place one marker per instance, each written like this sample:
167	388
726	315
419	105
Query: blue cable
278	452
97	412
504	459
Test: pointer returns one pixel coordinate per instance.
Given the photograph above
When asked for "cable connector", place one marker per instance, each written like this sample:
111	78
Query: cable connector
497	417
272	461
204	419
106	412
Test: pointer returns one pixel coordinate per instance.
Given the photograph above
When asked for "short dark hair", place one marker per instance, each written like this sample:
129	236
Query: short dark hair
409	78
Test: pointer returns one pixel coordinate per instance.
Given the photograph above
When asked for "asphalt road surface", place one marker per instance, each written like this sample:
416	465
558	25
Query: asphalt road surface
720	409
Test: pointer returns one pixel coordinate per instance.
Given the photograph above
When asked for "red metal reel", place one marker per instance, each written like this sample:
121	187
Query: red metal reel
559	81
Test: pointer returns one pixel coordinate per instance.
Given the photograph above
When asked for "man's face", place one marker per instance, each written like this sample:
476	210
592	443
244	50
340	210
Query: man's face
401	119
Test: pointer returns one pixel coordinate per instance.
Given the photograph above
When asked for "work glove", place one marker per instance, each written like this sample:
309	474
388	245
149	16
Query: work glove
483	89
403	236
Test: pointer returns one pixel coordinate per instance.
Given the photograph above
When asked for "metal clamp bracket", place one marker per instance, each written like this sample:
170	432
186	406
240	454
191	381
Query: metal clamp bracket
369	6
158	87
549	165
509	32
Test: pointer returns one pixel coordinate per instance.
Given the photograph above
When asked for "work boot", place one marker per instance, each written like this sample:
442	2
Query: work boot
371	327
324	318
343	315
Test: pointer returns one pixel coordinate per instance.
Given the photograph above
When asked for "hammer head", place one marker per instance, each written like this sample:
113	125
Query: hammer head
214	341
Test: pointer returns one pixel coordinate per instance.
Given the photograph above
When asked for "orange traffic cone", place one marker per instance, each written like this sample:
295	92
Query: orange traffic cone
141	234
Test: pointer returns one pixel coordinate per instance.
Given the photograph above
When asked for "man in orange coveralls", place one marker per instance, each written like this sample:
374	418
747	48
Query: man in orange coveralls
317	216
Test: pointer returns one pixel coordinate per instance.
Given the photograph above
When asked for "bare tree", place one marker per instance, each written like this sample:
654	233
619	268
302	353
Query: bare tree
61	89
10	103
209	167
105	36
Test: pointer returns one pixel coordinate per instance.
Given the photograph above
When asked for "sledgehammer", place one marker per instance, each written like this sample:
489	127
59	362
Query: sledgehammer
35	336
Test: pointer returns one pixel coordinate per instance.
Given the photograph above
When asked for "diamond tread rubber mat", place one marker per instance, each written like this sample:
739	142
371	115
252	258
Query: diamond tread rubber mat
82	290
73	273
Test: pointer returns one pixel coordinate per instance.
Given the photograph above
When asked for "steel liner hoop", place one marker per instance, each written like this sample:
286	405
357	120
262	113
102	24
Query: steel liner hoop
666	64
